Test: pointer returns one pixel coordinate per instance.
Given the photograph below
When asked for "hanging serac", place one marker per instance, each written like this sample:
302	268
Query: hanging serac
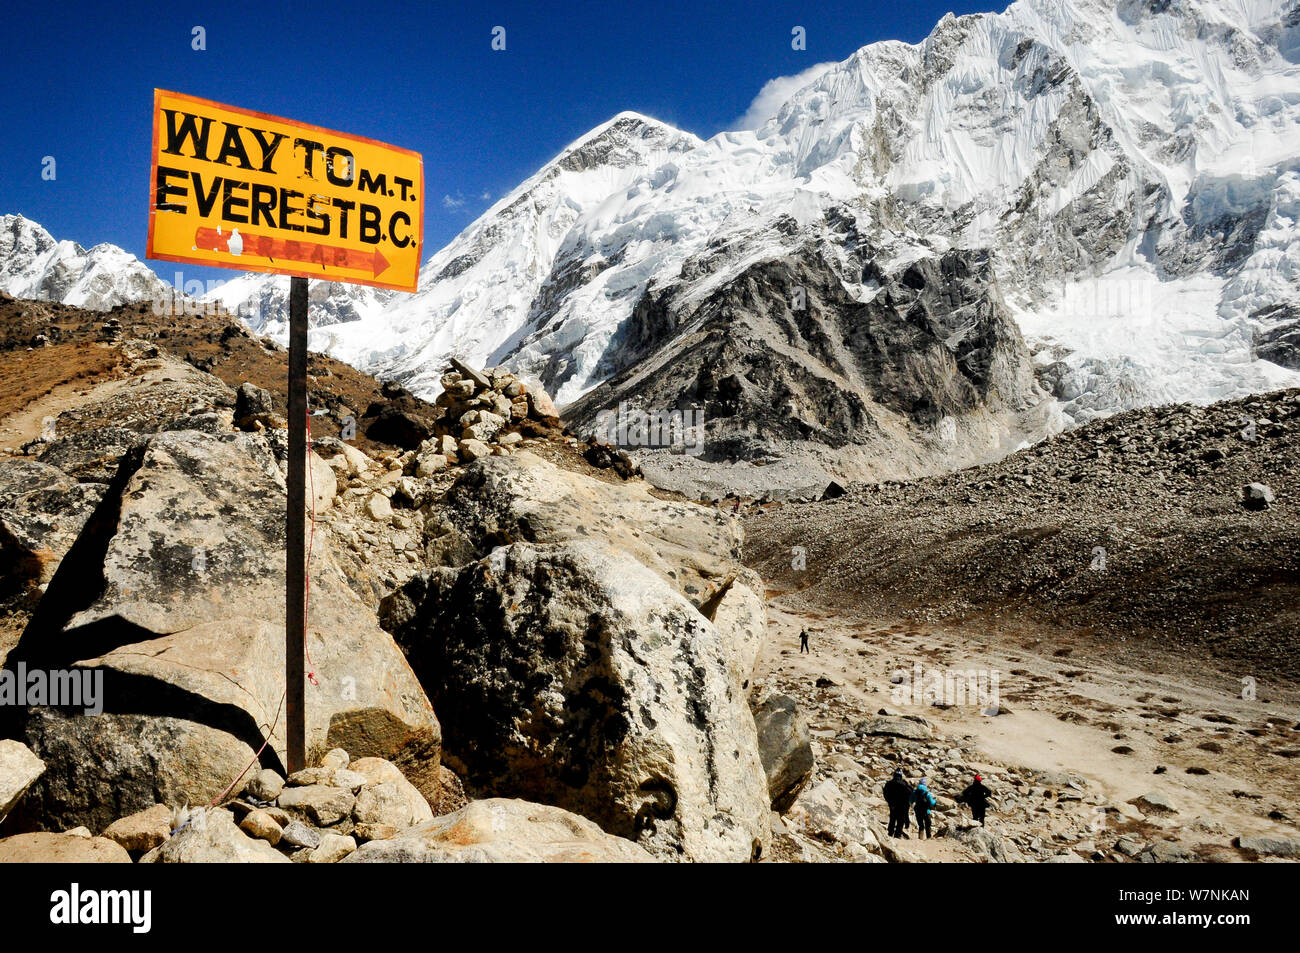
238	189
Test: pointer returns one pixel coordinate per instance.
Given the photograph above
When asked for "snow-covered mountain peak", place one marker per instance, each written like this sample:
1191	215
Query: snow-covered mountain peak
1074	138
1118	175
34	265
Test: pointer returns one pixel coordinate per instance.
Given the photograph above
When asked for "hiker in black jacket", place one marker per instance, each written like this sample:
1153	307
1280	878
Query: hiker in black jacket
898	794
976	796
922	802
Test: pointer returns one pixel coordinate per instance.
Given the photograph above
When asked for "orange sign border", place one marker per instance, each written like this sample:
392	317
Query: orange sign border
271	270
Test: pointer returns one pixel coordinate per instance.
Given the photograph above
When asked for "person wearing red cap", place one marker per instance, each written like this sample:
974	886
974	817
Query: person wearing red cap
976	797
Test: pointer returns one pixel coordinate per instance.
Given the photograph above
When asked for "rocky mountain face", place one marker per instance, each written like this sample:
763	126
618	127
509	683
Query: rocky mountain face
802	381
481	290
1119	178
34	265
1126	169
1167	529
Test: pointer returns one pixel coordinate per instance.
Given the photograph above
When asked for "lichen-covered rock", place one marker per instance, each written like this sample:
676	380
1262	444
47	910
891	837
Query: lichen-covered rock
324	805
572	675
42	511
186	619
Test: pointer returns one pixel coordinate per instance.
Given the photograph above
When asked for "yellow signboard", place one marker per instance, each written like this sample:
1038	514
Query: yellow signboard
233	188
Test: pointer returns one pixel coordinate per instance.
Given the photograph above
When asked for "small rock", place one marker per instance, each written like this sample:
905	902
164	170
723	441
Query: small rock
368	832
212	837
1166	852
336	758
324	805
429	464
1256	496
332	849
266	785
348	780
260	824
300	835
378	508
143	830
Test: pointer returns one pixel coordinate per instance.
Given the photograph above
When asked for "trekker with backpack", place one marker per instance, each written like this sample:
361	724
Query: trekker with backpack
922	803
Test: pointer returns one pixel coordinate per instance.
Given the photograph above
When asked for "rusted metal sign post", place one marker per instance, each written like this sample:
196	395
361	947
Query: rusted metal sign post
295	592
232	188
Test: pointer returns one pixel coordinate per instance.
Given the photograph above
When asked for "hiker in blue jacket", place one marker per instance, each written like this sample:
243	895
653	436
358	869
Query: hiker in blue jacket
922	802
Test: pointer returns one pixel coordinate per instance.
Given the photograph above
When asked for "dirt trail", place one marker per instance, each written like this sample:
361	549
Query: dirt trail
1111	725
39	416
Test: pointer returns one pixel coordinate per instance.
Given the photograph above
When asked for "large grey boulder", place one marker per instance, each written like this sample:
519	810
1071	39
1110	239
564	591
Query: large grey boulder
501	830
831	816
572	675
739	612
186	618
695	549
785	747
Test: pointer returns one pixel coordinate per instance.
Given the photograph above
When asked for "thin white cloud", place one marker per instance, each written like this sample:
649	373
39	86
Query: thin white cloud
451	203
774	93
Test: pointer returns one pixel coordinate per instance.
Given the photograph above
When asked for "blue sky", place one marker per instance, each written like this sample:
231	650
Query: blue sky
79	77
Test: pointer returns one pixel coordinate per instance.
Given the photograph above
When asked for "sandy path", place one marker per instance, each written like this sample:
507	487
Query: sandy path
1068	714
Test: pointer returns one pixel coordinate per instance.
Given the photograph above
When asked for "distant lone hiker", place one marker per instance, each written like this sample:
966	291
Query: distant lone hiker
898	794
977	798
803	642
922	801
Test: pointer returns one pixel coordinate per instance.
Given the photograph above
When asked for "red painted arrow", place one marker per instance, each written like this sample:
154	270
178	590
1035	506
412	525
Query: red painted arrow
289	249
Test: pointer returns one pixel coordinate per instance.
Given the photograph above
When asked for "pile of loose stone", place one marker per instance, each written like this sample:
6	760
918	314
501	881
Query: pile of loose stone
317	816
483	412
